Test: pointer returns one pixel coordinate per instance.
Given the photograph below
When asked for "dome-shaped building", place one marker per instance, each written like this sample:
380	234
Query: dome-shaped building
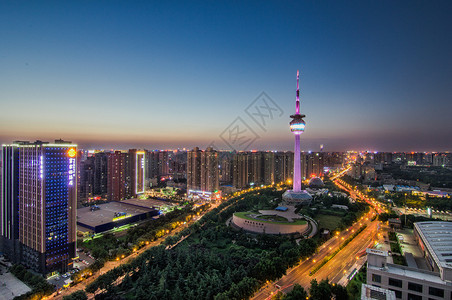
316	183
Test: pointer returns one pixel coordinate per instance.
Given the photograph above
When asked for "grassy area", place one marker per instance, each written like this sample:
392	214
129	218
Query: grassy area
245	214
332	212
399	260
328	221
272	218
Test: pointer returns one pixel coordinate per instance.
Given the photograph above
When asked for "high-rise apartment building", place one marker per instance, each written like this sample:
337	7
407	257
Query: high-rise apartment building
258	167
284	166
178	164
209	170
100	173
269	167
203	170
119	183
226	158
86	179
194	169
38	204
314	164
158	163
240	170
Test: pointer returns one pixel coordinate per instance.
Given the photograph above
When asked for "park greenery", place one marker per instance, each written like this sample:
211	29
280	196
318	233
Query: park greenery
322	290
214	261
334	219
412	200
211	260
78	295
39	286
435	176
109	247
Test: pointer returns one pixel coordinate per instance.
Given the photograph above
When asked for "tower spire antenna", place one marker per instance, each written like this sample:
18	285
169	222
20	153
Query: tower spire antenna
297	125
297	104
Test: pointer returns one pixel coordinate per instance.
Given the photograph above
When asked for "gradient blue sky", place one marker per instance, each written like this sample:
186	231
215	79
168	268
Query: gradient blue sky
375	74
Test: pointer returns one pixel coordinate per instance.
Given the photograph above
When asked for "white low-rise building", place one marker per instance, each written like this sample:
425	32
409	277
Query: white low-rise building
435	240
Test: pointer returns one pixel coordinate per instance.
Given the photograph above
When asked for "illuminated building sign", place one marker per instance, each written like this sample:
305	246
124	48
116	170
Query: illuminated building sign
140	172
71	171
120	217
72	152
41	167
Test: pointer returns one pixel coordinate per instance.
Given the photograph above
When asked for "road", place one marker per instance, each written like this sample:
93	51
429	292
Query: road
335	269
109	265
340	265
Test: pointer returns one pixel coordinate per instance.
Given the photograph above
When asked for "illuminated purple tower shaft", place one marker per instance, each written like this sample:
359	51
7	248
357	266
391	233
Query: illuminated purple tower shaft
297	126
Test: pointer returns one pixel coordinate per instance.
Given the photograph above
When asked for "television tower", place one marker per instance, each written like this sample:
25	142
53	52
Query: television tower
297	126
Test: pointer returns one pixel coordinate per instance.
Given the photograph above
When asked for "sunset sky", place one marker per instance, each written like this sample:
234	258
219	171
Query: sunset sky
375	75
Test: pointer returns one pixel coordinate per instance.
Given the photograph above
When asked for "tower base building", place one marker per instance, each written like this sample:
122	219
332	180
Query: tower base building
291	197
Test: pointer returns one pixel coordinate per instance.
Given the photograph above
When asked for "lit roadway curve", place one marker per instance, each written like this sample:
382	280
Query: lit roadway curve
339	265
334	270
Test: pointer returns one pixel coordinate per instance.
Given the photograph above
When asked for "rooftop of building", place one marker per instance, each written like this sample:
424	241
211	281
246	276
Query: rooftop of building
106	213
376	252
57	143
369	292
437	237
148	203
316	182
302	195
429	276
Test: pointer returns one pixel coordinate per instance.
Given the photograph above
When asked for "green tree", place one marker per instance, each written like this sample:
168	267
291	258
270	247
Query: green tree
297	293
78	295
320	291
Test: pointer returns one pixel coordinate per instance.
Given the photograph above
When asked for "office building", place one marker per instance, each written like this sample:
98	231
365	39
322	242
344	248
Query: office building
413	282
38	204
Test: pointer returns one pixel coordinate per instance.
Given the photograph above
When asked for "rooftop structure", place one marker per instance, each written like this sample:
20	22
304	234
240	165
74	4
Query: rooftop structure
435	239
316	182
113	214
411	282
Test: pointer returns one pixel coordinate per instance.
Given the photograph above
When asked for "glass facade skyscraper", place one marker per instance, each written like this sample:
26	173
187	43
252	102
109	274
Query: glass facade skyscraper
38	204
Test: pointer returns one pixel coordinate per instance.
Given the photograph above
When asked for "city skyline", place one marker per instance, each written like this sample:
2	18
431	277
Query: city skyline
373	76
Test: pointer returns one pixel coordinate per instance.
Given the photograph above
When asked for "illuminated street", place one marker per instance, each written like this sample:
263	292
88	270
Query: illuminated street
340	265
334	270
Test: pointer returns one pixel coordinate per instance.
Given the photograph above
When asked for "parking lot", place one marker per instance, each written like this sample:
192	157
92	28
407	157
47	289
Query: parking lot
81	263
